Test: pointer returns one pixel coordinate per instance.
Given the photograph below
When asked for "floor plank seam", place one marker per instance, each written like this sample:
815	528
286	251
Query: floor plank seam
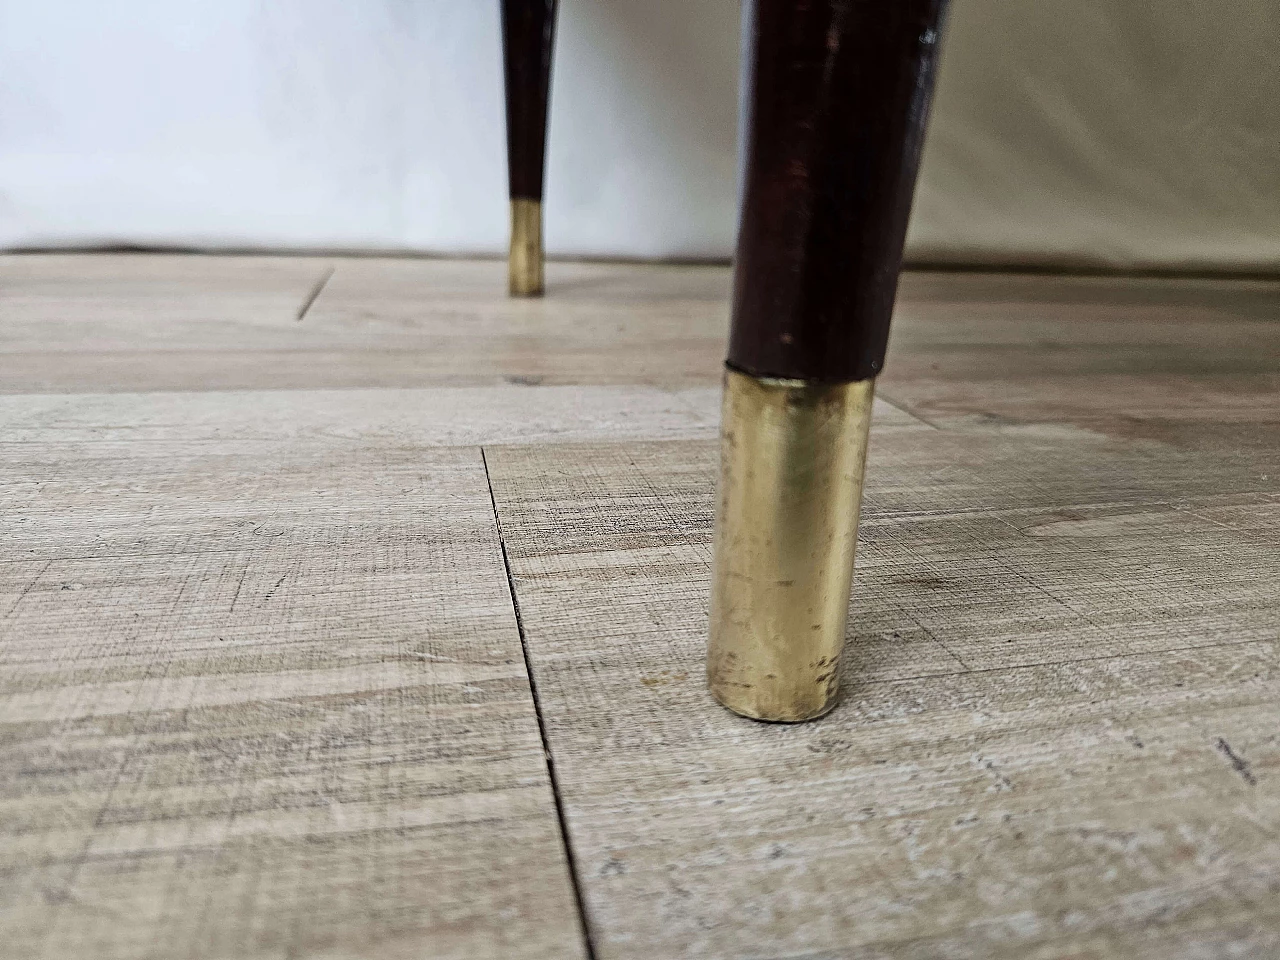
902	408
314	293
566	840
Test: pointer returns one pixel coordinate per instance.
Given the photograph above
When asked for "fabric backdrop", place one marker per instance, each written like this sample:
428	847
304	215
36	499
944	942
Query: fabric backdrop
1078	132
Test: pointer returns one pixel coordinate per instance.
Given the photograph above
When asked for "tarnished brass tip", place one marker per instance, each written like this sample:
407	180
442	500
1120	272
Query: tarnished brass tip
524	264
792	454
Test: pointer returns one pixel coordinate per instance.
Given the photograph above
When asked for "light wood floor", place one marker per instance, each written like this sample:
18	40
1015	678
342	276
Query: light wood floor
349	609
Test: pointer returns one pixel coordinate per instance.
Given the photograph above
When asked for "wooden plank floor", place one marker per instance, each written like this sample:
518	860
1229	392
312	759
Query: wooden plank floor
264	691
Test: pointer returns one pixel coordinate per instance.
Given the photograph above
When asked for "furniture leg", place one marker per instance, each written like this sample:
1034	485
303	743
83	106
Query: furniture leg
838	97
528	35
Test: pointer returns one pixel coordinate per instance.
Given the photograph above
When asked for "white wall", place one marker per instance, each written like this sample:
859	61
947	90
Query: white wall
359	123
1082	131
1132	133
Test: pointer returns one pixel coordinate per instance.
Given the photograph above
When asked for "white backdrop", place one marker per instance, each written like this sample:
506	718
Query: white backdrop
1076	132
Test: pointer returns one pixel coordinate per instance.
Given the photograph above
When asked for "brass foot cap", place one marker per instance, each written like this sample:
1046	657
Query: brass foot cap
792	456
524	263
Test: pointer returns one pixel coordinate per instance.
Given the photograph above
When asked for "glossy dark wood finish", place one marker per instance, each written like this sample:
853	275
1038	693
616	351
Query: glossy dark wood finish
839	95
528	36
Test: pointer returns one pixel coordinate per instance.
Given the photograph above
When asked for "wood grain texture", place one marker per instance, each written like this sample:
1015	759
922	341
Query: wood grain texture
963	344
1167	359
1058	737
42	431
263	696
148	425
108	302
262	692
376	323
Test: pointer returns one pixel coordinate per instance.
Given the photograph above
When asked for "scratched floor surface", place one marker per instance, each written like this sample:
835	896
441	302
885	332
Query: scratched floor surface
349	609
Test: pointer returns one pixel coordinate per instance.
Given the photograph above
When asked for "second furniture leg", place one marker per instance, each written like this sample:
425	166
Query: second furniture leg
838	98
528	36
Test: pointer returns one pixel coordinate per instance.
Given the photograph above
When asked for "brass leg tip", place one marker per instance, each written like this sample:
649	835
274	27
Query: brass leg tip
792	456
524	263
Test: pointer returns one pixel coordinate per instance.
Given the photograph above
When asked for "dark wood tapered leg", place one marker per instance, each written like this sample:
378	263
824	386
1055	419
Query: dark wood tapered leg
839	94
528	37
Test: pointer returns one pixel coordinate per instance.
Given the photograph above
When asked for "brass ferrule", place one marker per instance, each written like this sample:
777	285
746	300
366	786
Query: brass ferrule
792	456
524	263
